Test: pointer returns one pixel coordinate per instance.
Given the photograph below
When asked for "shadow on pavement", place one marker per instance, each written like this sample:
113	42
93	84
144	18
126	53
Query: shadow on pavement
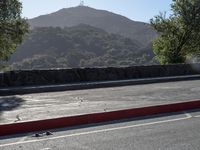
9	103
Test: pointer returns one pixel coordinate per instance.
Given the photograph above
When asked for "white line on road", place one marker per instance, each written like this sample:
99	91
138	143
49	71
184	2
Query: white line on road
188	115
45	149
22	139
96	131
197	116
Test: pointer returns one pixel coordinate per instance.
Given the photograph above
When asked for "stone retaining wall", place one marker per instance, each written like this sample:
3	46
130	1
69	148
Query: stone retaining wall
63	76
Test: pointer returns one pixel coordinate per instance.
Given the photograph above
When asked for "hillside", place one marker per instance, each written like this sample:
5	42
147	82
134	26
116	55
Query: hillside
108	21
78	46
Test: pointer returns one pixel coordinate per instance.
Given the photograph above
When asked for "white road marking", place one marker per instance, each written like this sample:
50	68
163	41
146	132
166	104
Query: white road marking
188	115
97	131
22	139
197	116
45	149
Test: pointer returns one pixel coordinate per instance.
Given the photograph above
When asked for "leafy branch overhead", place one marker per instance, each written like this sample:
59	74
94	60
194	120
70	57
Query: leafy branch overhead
179	33
12	27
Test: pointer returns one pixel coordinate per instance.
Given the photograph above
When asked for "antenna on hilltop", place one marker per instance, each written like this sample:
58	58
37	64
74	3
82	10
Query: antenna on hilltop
81	3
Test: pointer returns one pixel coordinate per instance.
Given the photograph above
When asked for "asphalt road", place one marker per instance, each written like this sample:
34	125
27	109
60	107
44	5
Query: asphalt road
38	106
165	132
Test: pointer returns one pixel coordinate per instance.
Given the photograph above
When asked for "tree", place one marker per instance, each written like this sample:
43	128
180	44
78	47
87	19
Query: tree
12	27
178	34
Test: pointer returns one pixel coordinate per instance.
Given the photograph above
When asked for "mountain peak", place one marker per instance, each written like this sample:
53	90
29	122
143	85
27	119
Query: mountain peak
108	21
76	8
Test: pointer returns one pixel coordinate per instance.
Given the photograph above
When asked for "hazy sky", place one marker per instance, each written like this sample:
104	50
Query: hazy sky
138	10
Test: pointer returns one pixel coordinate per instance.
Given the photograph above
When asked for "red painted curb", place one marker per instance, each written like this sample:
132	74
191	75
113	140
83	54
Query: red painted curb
23	127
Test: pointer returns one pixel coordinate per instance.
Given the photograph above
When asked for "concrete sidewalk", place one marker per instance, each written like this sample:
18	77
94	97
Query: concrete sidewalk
29	107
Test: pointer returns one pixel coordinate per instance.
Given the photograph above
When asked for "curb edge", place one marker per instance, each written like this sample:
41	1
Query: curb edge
32	126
